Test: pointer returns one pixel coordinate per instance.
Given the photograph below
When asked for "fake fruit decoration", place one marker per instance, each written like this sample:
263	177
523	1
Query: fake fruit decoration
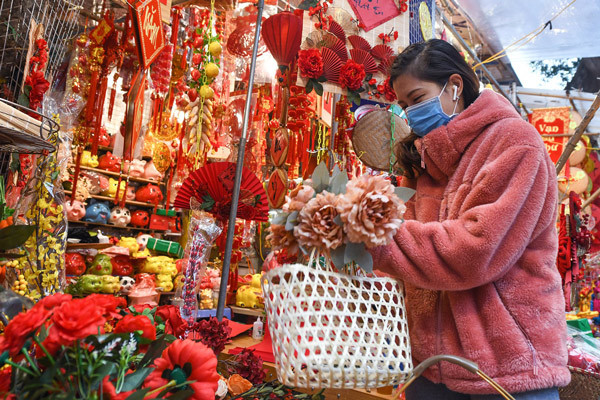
20	285
212	70
206	92
75	264
121	265
215	49
90	283
110	284
101	265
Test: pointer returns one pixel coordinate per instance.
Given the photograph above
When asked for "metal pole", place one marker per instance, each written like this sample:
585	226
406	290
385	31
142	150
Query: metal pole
238	170
334	128
487	73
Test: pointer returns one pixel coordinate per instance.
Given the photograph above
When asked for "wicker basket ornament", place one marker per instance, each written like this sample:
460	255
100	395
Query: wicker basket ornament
334	330
373	141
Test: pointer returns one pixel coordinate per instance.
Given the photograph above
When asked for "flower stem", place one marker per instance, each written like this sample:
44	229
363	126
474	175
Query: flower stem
30	361
160	389
37	340
17	366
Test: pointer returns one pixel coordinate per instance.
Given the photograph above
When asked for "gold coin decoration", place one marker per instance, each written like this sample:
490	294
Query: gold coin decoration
166	131
161	156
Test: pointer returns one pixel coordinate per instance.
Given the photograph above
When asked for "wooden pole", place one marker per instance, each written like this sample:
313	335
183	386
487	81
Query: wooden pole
578	133
590	199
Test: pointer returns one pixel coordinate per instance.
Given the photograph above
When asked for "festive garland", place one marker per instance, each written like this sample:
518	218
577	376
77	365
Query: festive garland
35	83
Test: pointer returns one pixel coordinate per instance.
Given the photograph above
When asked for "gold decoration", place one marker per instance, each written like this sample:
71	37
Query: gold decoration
161	157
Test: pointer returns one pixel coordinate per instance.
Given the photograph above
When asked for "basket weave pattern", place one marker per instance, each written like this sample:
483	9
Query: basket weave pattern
332	330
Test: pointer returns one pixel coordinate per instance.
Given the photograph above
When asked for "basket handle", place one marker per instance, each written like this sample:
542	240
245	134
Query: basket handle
463	362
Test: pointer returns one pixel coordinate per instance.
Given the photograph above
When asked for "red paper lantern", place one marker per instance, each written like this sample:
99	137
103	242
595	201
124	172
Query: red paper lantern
282	34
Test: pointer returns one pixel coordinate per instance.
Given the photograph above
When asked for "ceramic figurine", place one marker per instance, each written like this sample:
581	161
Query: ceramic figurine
87	160
129	243
143	240
150	172
74	264
75	210
101	265
110	284
97	212
206	300
165	282
113	184
126	283
251	295
104	139
130	195
91	283
120	216
121	265
140	218
135	168
109	162
149	194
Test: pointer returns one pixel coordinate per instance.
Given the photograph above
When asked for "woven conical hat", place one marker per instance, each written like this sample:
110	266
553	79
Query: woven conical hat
372	136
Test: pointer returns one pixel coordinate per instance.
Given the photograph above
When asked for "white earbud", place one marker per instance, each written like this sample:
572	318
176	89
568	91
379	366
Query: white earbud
455	95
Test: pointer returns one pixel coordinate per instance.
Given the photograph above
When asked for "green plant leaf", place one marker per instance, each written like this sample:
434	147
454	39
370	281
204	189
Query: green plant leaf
14	236
309	85
138	395
320	178
182	394
338	182
368	77
358	253
318	88
207	202
134	380
292	221
322	79
306	4
155	350
404	193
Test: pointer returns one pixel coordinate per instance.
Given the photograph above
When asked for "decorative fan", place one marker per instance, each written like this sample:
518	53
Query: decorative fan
212	187
337	30
319	38
344	19
282	34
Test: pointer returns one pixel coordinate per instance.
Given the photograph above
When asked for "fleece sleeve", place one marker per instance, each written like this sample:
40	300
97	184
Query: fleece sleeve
495	224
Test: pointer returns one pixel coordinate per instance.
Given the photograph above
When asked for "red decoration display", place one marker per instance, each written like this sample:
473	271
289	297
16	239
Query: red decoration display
149	32
282	34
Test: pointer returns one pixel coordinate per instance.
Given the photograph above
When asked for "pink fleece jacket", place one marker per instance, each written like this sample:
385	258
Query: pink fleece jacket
477	253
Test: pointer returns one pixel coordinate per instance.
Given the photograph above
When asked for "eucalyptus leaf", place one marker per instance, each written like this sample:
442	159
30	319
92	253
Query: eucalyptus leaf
358	253
337	256
338	183
135	379
318	88
404	193
320	178
280	218
14	236
292	221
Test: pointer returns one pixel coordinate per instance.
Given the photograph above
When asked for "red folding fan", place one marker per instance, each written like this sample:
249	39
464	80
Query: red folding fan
212	187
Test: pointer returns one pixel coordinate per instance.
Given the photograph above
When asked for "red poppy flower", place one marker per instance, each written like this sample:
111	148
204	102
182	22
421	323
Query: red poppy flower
187	360
310	63
352	75
20	327
76	319
132	323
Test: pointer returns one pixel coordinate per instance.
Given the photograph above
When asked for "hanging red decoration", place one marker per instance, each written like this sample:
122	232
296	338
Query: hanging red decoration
282	34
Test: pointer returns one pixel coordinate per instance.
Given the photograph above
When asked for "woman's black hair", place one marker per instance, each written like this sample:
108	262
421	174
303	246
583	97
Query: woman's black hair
434	61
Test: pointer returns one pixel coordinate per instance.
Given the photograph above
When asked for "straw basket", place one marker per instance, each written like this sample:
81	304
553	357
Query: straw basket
333	330
584	385
373	140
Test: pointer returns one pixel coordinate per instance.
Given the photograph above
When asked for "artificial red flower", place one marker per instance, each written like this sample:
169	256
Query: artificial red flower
20	327
186	360
352	75
139	308
39	85
388	91
361	25
5	374
403	7
76	319
132	323
174	324
372	81
108	303
250	366
51	302
310	63
395	35
109	391
197	59
213	333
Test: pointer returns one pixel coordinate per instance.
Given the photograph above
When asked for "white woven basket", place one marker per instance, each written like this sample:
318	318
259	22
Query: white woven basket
332	330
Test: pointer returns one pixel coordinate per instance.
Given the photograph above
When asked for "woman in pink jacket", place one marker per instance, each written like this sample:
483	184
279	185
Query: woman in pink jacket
477	252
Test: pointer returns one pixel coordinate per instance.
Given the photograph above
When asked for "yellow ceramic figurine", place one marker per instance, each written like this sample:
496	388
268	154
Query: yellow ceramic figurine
113	184
87	160
110	284
129	243
160	265
206	300
165	282
250	296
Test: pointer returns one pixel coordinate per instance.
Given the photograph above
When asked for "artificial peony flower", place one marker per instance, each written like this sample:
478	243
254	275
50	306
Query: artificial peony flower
282	239
317	227
108	303
187	360
76	319
51	302
352	75
174	324
20	327
310	63
132	323
298	198
370	211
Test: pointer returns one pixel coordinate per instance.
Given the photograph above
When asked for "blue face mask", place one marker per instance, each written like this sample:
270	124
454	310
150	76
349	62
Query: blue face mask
428	115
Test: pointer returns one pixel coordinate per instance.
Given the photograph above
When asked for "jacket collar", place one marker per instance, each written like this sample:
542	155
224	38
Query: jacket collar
442	148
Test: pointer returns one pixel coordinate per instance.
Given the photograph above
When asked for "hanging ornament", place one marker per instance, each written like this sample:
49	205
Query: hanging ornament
161	157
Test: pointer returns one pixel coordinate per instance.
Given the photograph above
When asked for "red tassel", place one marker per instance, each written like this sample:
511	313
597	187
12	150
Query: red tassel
111	102
76	173
89	110
169	184
99	113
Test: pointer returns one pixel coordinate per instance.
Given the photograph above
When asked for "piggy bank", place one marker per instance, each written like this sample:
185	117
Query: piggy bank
101	265
130	195
113	186
140	218
120	216
87	160
110	284
160	265
104	138
129	243
249	296
74	264
164	282
97	212
91	283
151	173
75	210
178	283
121	265
149	194
127	283
135	168
109	162
103	182
143	240
145	253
